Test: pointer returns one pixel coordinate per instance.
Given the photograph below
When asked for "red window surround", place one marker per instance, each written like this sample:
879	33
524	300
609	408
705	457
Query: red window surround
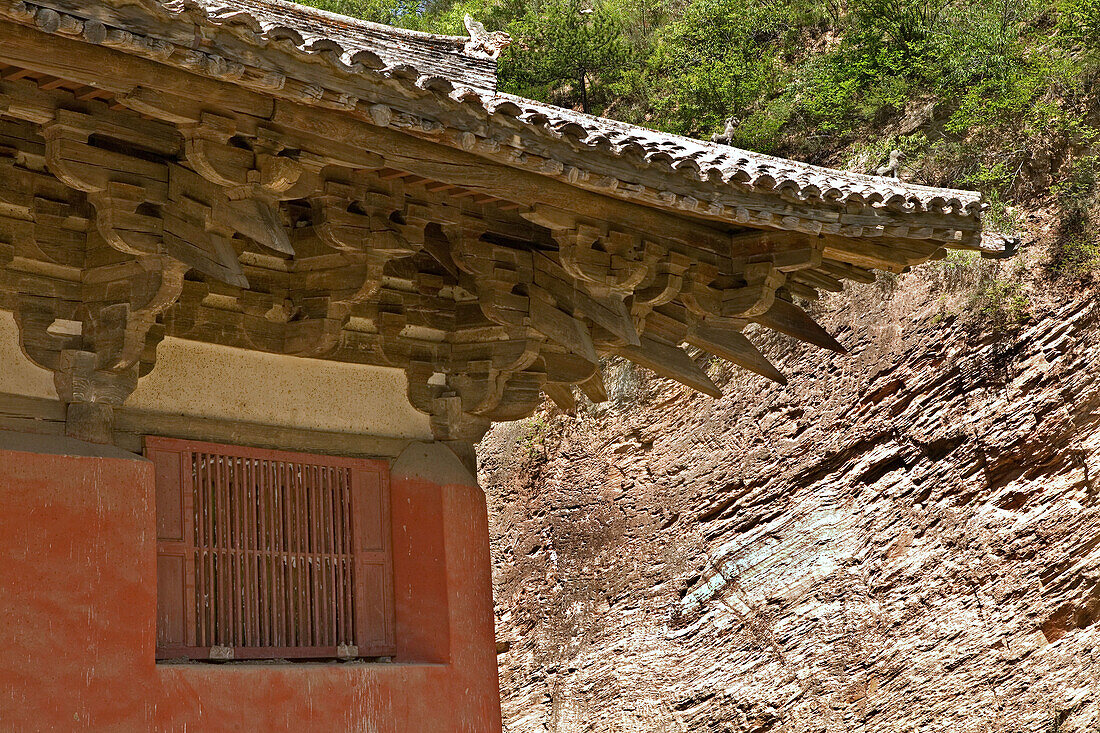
267	554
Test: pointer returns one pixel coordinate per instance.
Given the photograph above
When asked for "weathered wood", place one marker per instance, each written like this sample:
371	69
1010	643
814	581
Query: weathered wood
843	270
122	74
670	361
734	347
31	408
562	328
818	280
566	368
562	396
104	68
594	388
788	318
608	312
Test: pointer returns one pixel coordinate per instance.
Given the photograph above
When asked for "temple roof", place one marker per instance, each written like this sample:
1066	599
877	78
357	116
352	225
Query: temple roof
292	181
313	31
425	63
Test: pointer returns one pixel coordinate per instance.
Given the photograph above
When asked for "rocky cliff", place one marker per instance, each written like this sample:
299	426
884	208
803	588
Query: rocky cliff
903	538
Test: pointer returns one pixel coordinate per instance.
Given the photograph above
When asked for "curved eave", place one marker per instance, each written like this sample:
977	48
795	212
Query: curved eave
258	44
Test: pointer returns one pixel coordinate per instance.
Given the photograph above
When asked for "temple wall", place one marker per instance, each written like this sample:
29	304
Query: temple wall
207	380
219	382
78	597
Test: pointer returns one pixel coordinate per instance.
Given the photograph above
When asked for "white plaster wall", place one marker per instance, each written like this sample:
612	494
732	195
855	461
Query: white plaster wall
206	380
18	375
201	379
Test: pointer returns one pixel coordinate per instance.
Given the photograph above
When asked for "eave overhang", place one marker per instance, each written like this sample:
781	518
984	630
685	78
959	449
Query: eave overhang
362	188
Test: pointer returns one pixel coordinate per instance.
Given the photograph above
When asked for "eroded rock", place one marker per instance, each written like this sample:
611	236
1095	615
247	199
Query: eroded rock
904	538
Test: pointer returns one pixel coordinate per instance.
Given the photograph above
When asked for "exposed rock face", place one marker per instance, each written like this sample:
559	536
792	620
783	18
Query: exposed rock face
905	538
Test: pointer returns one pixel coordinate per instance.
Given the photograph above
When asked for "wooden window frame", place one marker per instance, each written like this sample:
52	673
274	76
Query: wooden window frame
184	560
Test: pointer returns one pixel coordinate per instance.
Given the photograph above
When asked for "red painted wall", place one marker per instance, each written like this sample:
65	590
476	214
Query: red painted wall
78	600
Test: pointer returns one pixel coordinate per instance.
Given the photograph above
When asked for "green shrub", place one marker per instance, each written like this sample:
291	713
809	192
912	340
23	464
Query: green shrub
1000	304
1080	21
1075	187
568	53
1075	255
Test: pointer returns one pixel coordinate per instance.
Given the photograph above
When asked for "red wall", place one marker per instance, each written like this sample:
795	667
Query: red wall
78	600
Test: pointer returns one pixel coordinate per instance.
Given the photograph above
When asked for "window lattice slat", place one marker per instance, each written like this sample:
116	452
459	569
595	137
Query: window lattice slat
273	554
275	564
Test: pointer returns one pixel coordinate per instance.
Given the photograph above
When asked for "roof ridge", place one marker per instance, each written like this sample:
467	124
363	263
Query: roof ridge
307	10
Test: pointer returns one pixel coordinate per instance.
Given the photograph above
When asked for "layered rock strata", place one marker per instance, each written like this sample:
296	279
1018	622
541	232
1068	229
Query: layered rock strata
904	538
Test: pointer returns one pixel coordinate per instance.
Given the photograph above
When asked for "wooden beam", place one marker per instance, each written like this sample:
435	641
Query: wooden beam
562	396
788	318
131	425
119	72
594	388
671	362
608	313
734	347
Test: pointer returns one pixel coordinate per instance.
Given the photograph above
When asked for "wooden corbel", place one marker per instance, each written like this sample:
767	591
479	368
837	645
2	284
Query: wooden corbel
508	294
192	232
758	293
253	178
496	271
665	281
143	207
121	306
703	297
126	191
365	228
698	294
486	375
606	262
431	389
91	395
364	222
97	348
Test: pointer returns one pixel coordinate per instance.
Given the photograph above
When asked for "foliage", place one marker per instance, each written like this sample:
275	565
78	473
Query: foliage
717	58
798	75
1080	21
1001	304
574	43
1076	251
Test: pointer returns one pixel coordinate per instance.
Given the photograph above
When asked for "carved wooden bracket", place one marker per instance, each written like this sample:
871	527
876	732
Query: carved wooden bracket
91	394
131	192
478	372
664	281
606	261
368	229
704	295
97	348
252	176
124	189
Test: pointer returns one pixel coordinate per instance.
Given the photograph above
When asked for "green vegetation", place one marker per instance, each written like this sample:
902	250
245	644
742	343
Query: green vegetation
994	95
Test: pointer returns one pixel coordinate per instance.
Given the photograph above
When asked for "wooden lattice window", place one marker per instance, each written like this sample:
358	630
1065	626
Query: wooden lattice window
267	554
